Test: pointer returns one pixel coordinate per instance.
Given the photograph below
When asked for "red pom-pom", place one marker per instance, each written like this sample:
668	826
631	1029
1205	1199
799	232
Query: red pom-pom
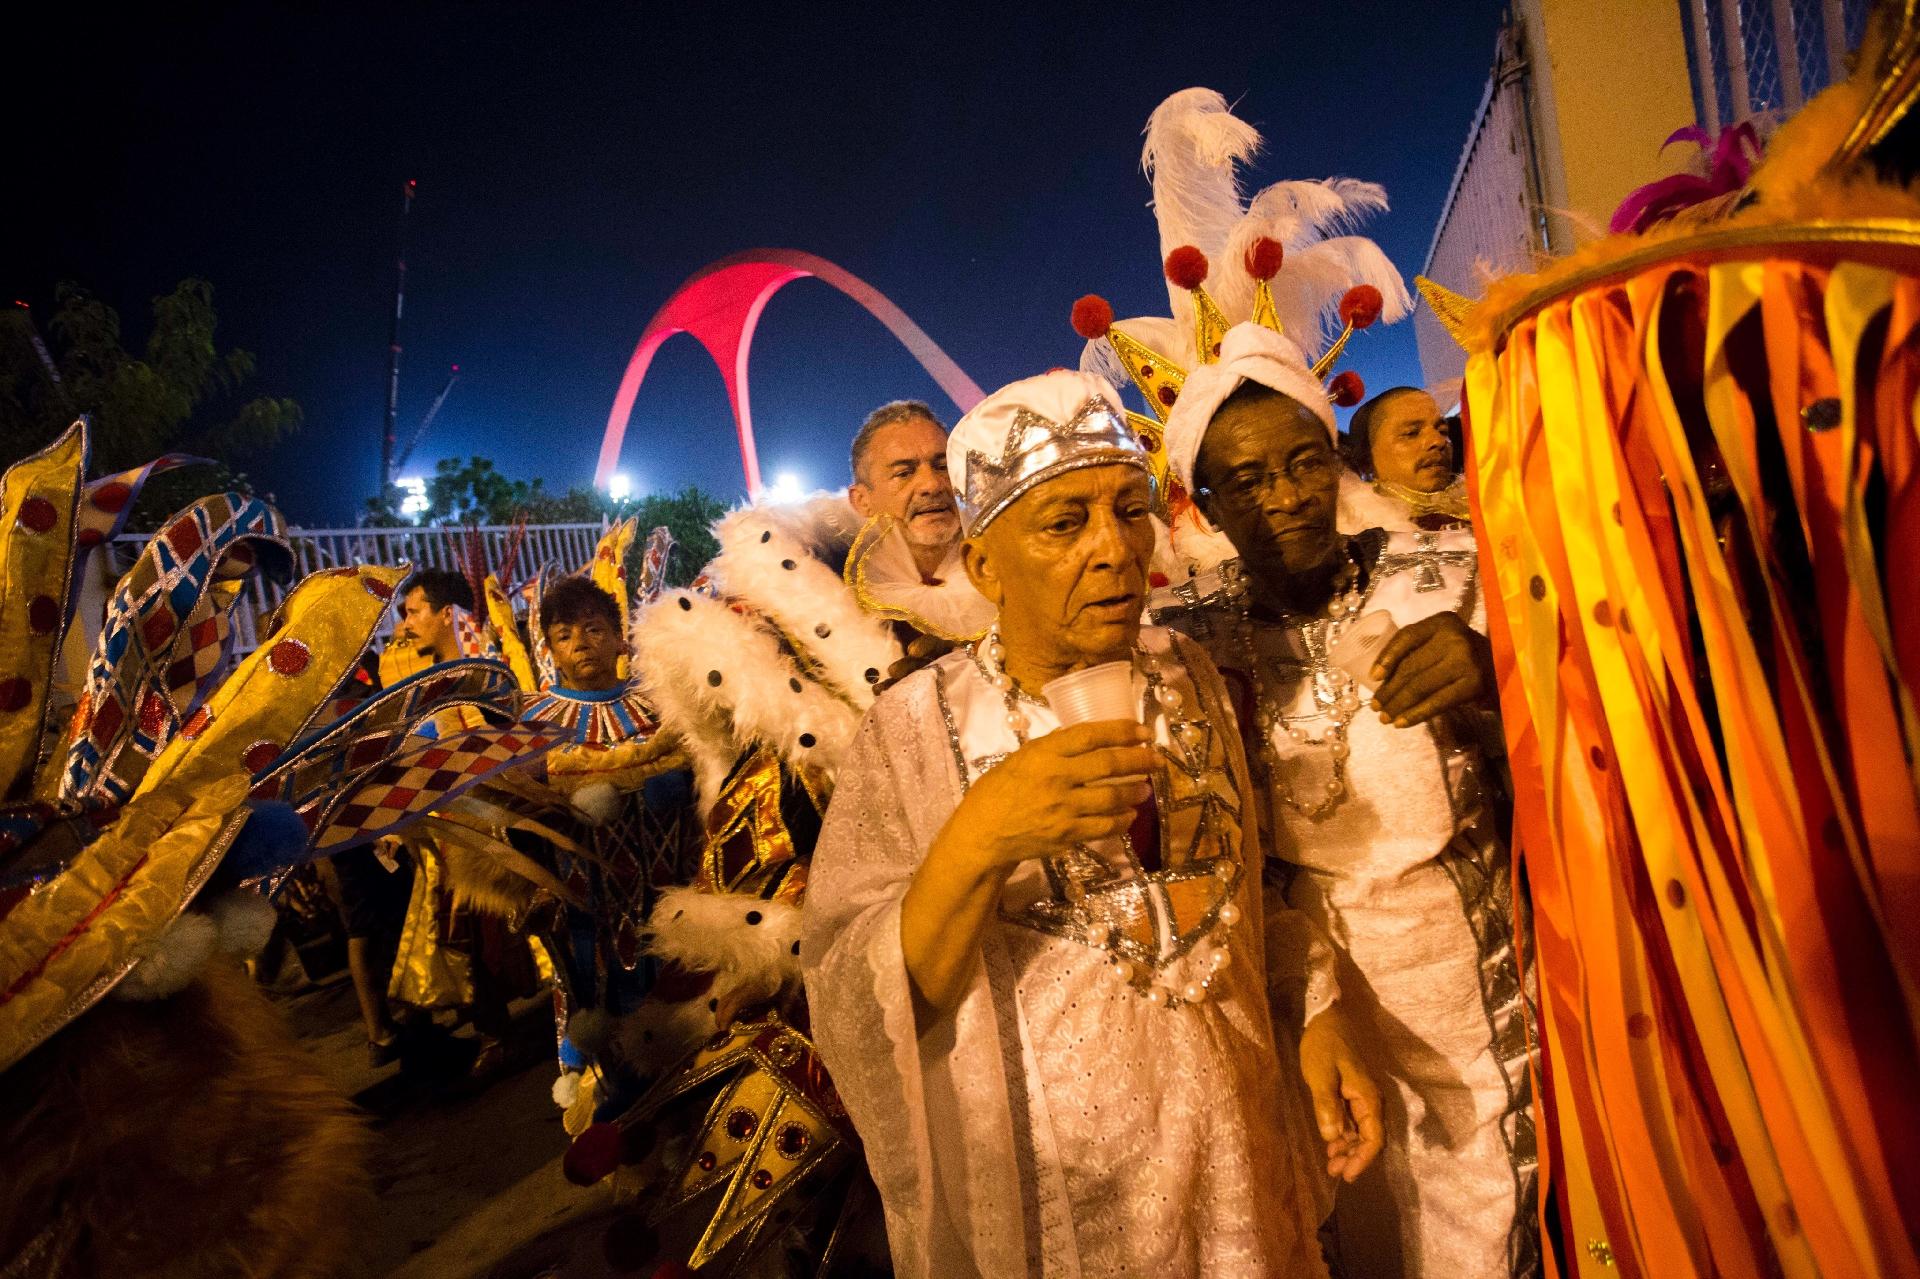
1264	257
1346	390
1361	306
1187	267
594	1154
1092	317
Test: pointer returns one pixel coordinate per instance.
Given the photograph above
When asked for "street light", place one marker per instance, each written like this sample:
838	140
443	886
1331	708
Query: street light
786	487
619	486
415	502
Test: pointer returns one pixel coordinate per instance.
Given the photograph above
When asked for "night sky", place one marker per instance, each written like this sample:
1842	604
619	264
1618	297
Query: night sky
576	163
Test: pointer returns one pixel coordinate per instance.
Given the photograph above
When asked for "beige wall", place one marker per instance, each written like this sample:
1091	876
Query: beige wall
1609	83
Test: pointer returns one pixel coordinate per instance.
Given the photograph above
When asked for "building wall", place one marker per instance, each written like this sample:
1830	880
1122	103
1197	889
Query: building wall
1609	82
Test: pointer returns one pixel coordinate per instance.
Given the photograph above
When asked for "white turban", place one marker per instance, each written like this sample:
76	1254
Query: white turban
1249	353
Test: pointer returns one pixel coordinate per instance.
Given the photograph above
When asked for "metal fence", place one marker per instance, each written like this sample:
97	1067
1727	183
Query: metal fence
1746	58
1760	57
568	546
1491	218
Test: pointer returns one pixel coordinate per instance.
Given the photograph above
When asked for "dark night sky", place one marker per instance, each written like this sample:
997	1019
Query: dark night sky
576	163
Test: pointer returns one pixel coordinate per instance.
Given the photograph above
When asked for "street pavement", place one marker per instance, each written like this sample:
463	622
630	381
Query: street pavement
468	1175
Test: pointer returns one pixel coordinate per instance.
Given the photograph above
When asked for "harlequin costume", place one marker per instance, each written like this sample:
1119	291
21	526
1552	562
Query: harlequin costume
627	780
1694	474
158	1118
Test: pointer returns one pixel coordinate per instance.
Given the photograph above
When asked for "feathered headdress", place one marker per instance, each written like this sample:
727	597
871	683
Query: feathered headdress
1291	263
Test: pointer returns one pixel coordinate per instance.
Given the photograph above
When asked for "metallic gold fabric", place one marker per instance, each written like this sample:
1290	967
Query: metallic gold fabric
279	691
1696	483
67	943
37	498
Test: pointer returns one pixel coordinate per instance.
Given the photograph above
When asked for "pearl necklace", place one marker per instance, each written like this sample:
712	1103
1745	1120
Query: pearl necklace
992	655
1268	706
1212	955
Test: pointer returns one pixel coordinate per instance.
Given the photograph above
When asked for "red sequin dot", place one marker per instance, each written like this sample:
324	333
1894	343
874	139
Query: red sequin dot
1676	894
1167	395
153	714
260	755
37	515
742	1124
1639	1025
15	694
708	1161
762	1179
43	614
196	724
1146	371
288	657
377	588
90	537
111	497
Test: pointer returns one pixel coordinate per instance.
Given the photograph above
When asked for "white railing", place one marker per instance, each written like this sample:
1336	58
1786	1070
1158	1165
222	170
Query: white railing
1490	222
569	547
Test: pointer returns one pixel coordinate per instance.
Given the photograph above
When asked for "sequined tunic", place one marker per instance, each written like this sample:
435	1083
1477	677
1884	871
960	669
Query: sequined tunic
1061	1123
1409	877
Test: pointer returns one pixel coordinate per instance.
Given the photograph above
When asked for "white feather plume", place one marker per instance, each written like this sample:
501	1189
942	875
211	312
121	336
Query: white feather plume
1099	358
1193	147
1193	143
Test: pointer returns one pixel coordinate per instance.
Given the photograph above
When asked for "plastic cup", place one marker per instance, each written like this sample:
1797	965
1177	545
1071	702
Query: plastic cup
1097	693
1103	692
1361	644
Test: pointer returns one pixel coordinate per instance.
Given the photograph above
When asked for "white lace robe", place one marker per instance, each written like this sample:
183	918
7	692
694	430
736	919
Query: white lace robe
1058	1123
1411	883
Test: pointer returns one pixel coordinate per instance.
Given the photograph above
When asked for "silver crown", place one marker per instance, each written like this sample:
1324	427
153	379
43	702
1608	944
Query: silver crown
1037	449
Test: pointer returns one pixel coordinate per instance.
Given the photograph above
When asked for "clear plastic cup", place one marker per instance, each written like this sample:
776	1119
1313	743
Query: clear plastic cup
1103	692
1097	693
1361	644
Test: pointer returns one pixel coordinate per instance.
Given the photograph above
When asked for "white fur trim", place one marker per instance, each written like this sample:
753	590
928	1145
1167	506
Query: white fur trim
708	932
566	1090
684	640
245	920
175	960
589	1030
668	637
1362	508
764	563
598	802
657	1035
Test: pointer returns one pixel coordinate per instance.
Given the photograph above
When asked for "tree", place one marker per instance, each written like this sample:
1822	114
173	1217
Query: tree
689	515
473	491
181	395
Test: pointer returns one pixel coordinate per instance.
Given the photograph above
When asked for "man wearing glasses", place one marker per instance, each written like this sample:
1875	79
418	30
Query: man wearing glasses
1373	763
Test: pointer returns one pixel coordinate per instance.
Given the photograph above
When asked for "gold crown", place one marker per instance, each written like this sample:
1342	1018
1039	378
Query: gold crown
1160	377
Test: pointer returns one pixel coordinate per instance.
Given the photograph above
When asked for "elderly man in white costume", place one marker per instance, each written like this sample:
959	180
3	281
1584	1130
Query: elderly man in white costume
1377	790
1033	954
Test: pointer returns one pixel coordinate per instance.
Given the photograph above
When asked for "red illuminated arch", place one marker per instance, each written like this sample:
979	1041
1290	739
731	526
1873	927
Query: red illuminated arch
721	303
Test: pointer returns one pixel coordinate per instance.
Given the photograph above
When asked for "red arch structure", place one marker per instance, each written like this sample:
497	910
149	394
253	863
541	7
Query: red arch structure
720	305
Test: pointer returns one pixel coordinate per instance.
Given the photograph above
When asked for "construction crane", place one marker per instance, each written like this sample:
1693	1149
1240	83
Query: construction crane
393	341
433	410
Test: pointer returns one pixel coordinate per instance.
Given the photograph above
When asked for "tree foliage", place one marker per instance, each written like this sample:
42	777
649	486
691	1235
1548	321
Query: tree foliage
181	394
473	491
